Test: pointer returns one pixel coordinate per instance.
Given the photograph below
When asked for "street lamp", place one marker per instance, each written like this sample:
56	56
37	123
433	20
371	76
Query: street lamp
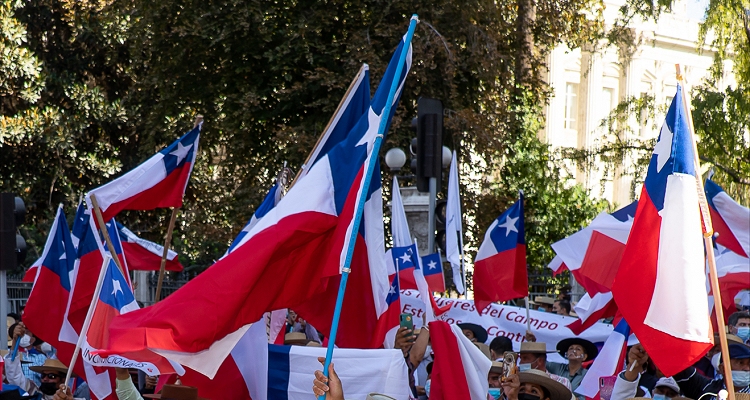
395	159
447	157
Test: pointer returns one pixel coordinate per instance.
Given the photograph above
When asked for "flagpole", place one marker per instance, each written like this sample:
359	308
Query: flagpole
89	316
708	244
105	233
463	263
330	122
361	203
165	253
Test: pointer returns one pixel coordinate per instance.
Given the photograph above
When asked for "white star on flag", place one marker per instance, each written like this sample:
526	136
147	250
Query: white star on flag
64	255
663	148
432	264
392	290
181	151
509	225
117	287
406	257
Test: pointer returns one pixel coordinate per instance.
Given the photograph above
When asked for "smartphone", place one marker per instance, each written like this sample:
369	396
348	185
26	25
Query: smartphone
509	365
406	321
606	384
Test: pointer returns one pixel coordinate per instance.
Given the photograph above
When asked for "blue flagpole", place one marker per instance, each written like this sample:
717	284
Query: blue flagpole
361	204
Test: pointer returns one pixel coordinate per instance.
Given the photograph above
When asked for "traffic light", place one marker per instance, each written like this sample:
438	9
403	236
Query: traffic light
429	149
12	245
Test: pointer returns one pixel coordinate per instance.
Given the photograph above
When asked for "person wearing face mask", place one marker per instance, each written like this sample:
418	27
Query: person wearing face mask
694	385
534	385
576	351
494	380
533	355
31	350
739	324
52	372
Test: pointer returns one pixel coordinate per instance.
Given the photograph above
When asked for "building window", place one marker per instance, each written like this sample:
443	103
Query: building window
571	105
608	102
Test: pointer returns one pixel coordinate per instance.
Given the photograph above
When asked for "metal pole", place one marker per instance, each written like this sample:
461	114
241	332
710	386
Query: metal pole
431	217
3	307
361	203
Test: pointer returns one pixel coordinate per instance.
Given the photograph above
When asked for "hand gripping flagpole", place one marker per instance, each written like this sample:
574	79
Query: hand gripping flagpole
361	204
708	232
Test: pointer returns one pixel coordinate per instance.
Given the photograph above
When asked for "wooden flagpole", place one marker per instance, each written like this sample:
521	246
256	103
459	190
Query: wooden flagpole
105	233
89	316
168	237
165	253
708	232
330	122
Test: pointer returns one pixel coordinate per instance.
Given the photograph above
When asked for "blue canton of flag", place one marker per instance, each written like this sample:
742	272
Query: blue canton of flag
626	213
115	290
393	292
180	151
61	256
405	257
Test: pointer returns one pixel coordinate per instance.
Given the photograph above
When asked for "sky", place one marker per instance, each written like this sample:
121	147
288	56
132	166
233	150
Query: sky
696	9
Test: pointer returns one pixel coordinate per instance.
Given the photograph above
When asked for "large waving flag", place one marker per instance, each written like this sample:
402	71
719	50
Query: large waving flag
45	308
730	220
460	369
159	182
609	362
664	259
144	255
593	256
115	298
453	226
292	259
500	268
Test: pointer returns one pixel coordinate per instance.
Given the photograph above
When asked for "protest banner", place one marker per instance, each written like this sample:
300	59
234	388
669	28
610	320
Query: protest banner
506	320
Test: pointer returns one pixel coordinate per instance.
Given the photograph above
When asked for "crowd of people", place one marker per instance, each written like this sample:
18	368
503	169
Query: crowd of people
36	373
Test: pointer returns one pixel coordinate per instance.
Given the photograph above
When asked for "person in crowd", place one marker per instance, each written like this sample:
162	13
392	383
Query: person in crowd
32	350
494	380
498	347
534	385
638	360
544	303
533	355
474	332
295	339
126	390
52	372
694	385
576	351
413	347
297	324
739	324
561	307
706	366
626	387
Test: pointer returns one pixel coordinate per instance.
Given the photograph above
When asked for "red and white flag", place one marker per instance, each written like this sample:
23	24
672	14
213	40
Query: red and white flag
159	182
460	369
660	287
730	220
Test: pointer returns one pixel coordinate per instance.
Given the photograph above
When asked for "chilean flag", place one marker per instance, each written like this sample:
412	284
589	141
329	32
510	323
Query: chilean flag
500	267
660	287
460	369
292	259
593	256
405	260
433	272
45	308
115	298
143	255
158	182
609	362
730	220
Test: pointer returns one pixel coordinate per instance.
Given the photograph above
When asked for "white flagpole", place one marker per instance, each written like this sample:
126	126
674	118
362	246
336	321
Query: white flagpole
453	228
89	316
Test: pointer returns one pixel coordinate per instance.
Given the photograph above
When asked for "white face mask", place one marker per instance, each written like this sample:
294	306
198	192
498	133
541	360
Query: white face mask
25	341
46	347
741	379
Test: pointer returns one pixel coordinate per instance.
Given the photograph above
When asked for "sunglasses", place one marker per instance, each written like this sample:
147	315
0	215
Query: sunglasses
50	376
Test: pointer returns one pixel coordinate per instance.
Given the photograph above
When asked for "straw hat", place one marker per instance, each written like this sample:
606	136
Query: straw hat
557	391
484	349
176	392
480	334
544	300
313	343
51	364
534	348
497	367
295	338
